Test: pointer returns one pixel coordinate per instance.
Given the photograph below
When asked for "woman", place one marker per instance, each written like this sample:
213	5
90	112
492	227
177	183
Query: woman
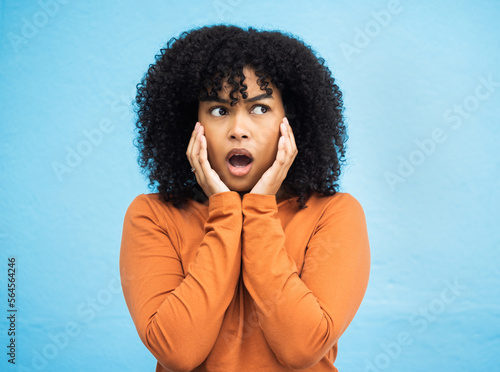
247	258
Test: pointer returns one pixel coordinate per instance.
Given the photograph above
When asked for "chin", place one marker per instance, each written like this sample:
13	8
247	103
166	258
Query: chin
241	187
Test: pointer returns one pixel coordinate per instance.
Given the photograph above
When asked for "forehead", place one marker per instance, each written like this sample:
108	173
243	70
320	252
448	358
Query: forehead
229	91
250	81
253	88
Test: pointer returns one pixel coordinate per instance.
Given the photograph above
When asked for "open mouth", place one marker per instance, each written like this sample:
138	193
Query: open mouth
239	160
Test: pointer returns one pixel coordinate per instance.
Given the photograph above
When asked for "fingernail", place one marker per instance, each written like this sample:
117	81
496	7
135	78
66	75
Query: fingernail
282	139
283	126
196	126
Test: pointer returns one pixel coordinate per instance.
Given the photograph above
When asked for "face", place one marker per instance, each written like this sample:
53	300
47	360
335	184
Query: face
242	140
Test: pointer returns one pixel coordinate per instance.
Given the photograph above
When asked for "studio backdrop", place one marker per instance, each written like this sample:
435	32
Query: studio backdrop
421	88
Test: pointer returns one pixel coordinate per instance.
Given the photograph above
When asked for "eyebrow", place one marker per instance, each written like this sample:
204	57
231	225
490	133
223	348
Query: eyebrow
253	99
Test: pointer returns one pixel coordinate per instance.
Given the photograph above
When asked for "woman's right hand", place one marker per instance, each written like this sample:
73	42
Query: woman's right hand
196	153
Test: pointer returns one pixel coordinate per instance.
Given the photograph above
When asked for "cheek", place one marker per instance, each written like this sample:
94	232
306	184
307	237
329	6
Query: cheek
272	135
212	147
269	142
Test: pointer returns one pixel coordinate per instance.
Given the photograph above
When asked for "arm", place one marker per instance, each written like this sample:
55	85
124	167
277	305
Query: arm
177	316
302	317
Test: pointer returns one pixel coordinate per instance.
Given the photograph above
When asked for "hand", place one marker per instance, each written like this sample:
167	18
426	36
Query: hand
196	153
271	180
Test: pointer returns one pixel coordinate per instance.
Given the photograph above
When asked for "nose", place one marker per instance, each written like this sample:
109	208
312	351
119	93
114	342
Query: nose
239	128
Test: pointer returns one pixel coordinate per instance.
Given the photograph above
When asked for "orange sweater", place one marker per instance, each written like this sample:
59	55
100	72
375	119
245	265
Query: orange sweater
244	284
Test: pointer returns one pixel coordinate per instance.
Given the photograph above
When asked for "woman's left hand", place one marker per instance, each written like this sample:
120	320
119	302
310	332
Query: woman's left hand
271	180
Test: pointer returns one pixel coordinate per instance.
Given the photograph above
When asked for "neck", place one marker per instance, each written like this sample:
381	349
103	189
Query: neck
280	195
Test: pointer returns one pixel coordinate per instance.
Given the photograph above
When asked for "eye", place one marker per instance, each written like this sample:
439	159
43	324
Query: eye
218	111
260	109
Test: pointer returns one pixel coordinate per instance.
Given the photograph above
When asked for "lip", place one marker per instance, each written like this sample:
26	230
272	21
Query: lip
239	171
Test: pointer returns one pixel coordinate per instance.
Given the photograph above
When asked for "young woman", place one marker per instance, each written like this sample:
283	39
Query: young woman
247	258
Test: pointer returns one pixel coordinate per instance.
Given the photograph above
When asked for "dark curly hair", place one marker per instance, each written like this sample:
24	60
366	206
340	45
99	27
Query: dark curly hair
193	67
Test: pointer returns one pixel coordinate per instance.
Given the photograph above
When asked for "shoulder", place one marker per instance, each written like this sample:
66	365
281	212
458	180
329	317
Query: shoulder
340	206
146	203
338	201
153	207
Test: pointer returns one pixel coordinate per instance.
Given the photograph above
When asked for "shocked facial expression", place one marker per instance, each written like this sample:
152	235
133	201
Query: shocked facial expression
242	140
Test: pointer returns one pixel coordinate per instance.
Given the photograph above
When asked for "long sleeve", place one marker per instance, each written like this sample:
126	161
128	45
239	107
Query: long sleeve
178	315
303	316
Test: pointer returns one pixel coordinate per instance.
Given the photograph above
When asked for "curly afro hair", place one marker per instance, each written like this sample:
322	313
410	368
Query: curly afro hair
196	64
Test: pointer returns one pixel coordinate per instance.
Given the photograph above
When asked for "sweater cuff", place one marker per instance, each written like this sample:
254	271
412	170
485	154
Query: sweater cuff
224	201
259	203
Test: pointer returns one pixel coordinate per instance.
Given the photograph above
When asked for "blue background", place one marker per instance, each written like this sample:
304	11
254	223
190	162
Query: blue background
421	87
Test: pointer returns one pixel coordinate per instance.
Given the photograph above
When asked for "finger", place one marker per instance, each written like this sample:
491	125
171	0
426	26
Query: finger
192	139
195	158
288	149
192	148
291	148
291	137
290	133
278	169
204	163
281	155
190	152
288	143
212	178
274	171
